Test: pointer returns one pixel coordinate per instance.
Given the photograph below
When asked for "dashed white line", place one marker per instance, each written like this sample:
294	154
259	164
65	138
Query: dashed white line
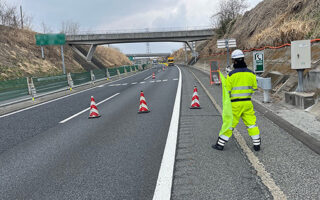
124	84
175	79
79	113
134	83
142	82
148	77
165	80
152	81
112	85
158	81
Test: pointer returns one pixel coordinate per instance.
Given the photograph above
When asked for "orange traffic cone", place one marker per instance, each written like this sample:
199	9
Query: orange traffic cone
195	104
94	113
153	76
143	108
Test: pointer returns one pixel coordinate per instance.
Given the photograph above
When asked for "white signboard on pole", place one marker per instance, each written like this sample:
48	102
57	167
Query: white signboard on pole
227	43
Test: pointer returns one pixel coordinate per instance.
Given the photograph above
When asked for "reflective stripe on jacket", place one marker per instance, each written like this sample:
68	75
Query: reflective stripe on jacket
241	83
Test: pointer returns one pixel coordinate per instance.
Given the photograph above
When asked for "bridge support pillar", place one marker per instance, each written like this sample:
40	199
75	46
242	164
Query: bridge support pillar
91	52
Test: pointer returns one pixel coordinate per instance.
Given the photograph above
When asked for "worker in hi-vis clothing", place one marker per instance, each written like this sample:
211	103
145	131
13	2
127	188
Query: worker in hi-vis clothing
241	83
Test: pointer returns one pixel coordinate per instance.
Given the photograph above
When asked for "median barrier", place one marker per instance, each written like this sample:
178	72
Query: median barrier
121	70
99	73
13	89
133	68
81	78
113	71
50	83
128	68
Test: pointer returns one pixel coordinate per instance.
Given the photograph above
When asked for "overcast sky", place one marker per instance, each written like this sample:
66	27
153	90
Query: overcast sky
104	15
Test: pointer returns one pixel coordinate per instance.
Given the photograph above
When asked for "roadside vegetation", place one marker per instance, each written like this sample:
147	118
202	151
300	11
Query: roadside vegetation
20	57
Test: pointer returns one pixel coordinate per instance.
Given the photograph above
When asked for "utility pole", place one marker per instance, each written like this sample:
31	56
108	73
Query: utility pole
21	16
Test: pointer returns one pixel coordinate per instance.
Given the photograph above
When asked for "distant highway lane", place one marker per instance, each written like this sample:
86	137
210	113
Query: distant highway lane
54	151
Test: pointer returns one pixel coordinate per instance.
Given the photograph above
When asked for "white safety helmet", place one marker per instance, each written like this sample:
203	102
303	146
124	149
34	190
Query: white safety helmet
237	54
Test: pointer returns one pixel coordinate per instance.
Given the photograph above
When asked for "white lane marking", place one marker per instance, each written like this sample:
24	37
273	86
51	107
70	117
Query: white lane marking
158	81
165	177
148	77
100	86
124	84
79	113
165	80
114	85
142	82
152	81
175	79
266	178
134	83
53	100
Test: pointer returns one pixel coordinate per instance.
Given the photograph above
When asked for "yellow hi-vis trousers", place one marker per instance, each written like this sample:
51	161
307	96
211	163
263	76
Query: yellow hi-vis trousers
243	109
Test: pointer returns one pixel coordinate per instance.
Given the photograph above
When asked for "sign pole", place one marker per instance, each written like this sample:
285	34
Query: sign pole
42	52
300	80
63	66
227	45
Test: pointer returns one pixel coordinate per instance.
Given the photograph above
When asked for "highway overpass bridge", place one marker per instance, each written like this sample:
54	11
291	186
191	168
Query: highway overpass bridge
94	40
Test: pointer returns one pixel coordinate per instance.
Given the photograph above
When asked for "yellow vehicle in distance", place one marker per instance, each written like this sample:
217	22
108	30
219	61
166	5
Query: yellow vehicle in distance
170	61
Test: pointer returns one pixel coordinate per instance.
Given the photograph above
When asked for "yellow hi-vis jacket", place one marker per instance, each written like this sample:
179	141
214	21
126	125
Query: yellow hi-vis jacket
241	84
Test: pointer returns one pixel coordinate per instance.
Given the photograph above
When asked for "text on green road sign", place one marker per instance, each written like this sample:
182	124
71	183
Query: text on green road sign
50	39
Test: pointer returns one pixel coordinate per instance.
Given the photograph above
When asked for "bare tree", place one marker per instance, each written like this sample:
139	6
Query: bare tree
228	11
70	28
45	28
9	16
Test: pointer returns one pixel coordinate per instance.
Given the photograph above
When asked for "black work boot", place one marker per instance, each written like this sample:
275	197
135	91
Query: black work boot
217	146
256	144
256	147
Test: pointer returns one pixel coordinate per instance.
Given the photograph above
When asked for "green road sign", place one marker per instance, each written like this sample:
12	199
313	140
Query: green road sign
258	61
50	39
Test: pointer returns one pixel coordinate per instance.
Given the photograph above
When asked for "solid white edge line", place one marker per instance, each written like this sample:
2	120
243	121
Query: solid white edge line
165	177
53	100
79	113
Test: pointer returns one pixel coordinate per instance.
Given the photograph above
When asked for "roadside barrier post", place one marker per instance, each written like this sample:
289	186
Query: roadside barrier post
93	78
31	88
125	71
70	81
107	74
118	72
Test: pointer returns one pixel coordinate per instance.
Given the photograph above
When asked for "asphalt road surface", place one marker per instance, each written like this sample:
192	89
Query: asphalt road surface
116	156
